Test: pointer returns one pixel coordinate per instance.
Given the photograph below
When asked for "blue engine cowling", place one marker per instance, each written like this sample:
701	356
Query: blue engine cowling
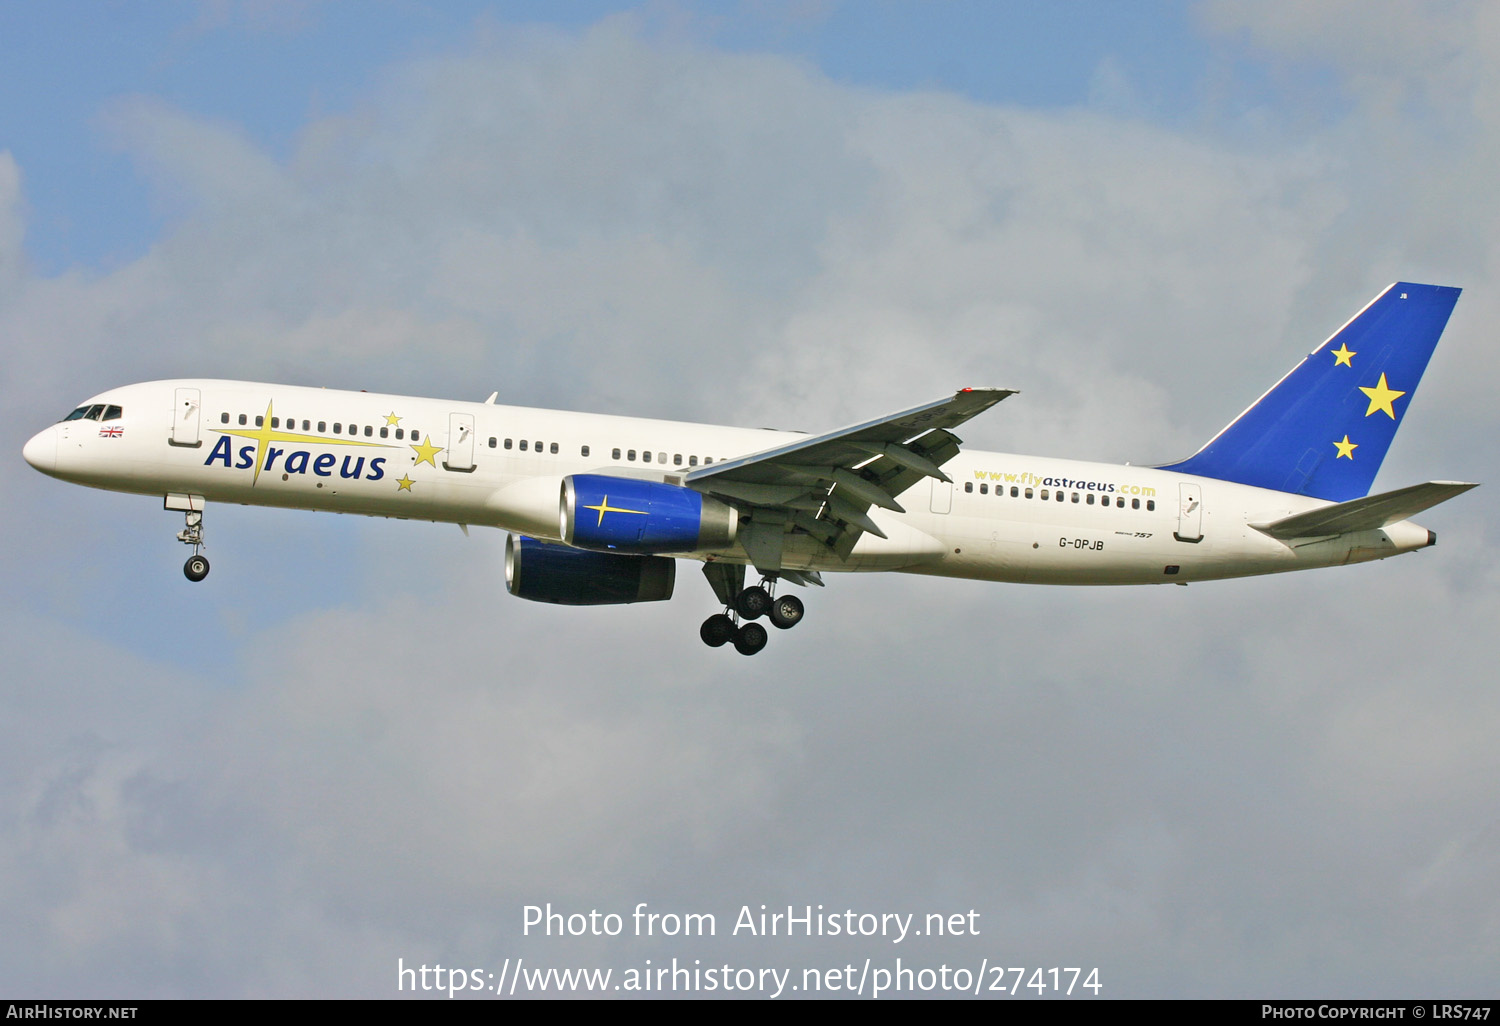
622	514
544	572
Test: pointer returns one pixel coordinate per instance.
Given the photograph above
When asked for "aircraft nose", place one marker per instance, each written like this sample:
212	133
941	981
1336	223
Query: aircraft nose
41	451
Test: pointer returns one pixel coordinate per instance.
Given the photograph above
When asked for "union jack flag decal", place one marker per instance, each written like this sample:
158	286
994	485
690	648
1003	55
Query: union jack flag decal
111	432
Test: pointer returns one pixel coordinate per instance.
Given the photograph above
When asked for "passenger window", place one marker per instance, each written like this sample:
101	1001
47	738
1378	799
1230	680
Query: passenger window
968	486
507	443
584	451
385	432
677	459
1135	503
630	455
337	428
1028	493
614	454
692	461
112	413
260	422
523	445
369	431
244	420
276	422
1014	492
552	448
1060	496
1090	499
1150	505
493	441
1046	495
223	418
322	425
400	434
538	446
707	460
1075	496
1120	503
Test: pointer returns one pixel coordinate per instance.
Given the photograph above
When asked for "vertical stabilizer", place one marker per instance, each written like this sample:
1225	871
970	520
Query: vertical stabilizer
1324	428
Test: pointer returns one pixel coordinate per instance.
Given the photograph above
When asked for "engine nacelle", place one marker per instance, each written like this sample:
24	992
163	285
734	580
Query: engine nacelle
622	514
543	572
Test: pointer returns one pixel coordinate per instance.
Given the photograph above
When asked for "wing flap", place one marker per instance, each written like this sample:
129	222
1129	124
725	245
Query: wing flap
828	483
1365	514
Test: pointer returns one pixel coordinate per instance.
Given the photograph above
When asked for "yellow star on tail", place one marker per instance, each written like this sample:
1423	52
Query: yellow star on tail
426	451
1381	397
1342	354
1346	448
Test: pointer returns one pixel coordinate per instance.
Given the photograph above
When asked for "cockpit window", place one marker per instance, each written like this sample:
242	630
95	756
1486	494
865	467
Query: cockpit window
98	411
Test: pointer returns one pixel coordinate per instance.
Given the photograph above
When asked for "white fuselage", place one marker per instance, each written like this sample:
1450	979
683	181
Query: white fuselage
1004	517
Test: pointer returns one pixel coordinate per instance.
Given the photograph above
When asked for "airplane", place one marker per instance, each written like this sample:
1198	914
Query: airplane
600	508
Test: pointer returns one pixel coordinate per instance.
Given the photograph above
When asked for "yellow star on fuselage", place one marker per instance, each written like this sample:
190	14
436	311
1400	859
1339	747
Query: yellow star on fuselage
426	451
391	420
1342	354
1346	449
604	507
1381	398
404	483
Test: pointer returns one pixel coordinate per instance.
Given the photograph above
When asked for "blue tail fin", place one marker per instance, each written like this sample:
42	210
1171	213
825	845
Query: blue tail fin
1324	428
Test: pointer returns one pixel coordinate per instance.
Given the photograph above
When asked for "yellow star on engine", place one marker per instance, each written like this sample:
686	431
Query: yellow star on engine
404	483
1342	354
391	420
1346	448
1381	397
426	451
604	507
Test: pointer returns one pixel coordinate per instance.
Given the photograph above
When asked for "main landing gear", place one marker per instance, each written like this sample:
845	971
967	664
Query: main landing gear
196	567
749	605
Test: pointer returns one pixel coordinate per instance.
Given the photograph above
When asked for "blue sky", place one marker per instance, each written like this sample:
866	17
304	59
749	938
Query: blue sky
349	745
267	68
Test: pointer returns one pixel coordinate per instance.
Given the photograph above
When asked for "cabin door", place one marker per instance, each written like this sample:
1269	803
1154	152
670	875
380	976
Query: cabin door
185	417
460	442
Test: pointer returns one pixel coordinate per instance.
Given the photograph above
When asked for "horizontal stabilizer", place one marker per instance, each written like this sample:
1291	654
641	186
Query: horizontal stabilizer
1367	514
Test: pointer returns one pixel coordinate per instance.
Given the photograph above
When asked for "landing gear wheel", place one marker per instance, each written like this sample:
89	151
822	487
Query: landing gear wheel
750	639
716	630
753	603
786	611
196	568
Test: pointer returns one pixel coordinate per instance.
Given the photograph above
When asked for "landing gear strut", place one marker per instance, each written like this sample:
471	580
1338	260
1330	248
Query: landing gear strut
196	567
744	606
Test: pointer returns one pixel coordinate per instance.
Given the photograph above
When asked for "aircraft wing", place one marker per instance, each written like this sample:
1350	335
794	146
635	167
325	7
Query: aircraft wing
1365	514
824	485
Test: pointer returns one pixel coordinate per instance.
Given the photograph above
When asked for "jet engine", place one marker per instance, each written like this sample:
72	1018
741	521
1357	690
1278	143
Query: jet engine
621	514
545	572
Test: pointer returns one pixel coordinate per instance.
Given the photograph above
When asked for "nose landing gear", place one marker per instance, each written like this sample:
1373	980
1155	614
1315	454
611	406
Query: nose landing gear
196	567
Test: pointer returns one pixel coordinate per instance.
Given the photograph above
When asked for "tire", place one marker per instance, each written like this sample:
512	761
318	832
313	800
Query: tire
753	603
786	611
196	568
717	630
750	639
